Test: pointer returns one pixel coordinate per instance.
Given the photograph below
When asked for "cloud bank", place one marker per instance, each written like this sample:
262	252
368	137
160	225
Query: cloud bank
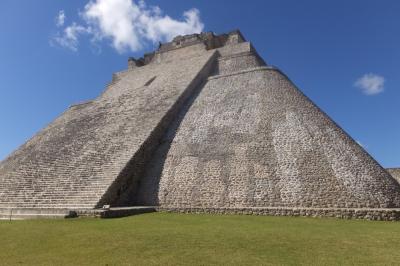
370	84
128	25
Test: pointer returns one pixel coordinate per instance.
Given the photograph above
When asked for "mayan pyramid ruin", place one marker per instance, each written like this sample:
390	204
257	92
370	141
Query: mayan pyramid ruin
201	124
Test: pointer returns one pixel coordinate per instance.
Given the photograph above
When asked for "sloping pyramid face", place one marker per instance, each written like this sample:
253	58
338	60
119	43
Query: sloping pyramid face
252	139
203	123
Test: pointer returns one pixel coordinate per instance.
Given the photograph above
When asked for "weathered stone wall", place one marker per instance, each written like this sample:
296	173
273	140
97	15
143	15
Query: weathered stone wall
395	172
365	214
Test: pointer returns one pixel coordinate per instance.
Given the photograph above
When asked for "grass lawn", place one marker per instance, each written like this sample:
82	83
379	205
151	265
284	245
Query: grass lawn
190	239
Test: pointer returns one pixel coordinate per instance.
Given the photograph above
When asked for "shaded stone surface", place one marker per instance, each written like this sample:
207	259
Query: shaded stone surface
201	123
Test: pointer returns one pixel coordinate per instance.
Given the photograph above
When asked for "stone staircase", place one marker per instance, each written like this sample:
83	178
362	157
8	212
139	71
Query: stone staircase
90	155
42	193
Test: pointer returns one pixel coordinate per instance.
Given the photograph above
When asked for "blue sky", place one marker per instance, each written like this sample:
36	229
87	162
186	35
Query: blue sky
344	55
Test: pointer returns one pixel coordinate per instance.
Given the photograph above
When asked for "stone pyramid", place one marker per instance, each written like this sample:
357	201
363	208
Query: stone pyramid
201	124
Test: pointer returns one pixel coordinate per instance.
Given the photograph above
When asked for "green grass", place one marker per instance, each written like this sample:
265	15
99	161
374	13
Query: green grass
184	239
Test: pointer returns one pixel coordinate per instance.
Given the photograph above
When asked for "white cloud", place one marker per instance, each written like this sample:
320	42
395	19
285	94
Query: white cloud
370	84
60	19
129	26
165	27
69	37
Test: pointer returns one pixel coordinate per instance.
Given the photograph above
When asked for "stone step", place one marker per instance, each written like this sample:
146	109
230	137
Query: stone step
48	206
47	200
56	186
55	196
54	181
69	189
53	202
46	194
37	195
50	200
61	193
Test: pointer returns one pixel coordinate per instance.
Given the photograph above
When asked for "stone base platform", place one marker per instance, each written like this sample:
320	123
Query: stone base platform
60	213
115	212
35	213
342	213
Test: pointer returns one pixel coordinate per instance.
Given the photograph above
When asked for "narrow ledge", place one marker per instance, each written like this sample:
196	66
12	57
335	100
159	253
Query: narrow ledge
254	69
